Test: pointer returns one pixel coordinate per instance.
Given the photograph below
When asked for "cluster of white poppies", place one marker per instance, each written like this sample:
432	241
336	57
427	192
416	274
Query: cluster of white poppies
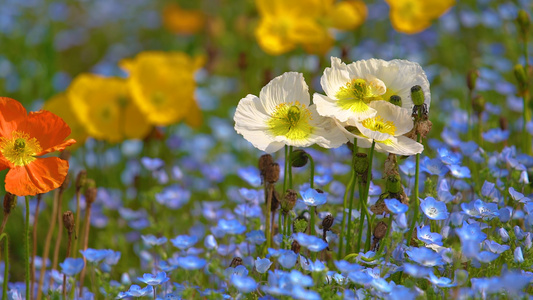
357	105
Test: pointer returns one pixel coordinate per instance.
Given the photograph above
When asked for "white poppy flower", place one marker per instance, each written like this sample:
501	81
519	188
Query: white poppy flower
351	88
282	116
386	128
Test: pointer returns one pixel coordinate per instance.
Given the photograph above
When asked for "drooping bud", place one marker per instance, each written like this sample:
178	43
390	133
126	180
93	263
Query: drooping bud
361	163
396	100
90	192
275	201
299	225
299	158
393	184
478	104
272	173
235	262
295	247
327	222
65	155
417	95
521	76
504	124
523	21
381	230
471	79
289	200
65	184
10	202
68	221
81	180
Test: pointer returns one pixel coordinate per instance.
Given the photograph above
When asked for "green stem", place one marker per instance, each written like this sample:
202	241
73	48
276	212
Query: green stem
268	212
382	244
312	221
414	202
345	204
290	168
352	191
367	188
280	228
362	210
27	250
285	170
369	233
312	171
6	264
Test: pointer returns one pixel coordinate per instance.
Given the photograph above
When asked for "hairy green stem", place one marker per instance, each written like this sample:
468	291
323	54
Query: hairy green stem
414	202
27	249
6	264
366	191
345	204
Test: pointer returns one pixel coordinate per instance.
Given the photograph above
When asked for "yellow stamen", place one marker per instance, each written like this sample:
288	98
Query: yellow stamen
291	120
380	125
356	94
20	149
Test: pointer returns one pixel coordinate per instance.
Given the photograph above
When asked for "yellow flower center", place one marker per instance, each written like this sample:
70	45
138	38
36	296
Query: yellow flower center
291	120
158	98
20	149
357	93
380	125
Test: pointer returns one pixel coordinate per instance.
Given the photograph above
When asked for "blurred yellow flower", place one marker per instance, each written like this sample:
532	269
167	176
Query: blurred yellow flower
413	16
61	106
181	21
287	24
105	108
162	84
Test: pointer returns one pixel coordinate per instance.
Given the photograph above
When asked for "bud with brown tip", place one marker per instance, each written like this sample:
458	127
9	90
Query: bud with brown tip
295	247
396	100
471	79
381	230
299	158
521	76
524	21
264	161
68	221
236	261
417	95
289	201
327	222
393	184
90	192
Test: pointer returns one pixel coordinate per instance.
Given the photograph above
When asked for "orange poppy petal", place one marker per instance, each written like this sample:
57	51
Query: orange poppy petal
4	163
11	113
38	177
59	147
49	129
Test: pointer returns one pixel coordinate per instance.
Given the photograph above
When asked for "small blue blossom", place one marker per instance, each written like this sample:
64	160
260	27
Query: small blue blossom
262	265
442	282
312	197
137	291
287	259
94	255
425	235
518	256
244	284
433	209
250	174
459	171
152	240
256	237
471	232
191	262
312	243
395	206
232	226
157	279
72	266
425	257
184	242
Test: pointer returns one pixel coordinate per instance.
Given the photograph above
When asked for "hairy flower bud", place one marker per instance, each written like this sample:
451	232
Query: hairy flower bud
10	202
381	230
524	22
65	184
299	225
393	184
295	247
81	179
471	78
521	77
275	201
289	200
264	161
361	163
68	221
299	158
417	95
272	173
396	100
478	104
90	192
236	261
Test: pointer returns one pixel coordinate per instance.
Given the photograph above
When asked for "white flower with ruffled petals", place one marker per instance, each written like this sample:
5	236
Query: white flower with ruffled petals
281	116
386	128
351	88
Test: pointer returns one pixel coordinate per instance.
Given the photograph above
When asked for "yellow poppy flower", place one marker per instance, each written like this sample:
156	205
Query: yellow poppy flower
162	85
181	21
413	16
105	108
285	25
61	106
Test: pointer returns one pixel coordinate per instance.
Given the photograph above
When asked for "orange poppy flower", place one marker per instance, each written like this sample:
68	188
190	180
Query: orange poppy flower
23	138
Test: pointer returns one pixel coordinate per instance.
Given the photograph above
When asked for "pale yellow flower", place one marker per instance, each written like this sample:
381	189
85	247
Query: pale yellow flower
105	108
162	85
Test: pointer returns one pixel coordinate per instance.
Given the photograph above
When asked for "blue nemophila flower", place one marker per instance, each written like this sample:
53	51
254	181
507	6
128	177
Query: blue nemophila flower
262	265
312	197
313	243
287	258
244	284
95	255
191	262
256	237
518	256
297	278
346	267
517	196
251	175
152	164
519	233
300	293
173	196
433	166
310	266
433	209
425	235
360	277
152	240
480	209
494	247
460	172
184	242
72	266
137	291
471	232
232	226
486	256
210	242
496	135
382	285
157	279
395	206
416	270
448	157
442	282
425	257
408	168
443	192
